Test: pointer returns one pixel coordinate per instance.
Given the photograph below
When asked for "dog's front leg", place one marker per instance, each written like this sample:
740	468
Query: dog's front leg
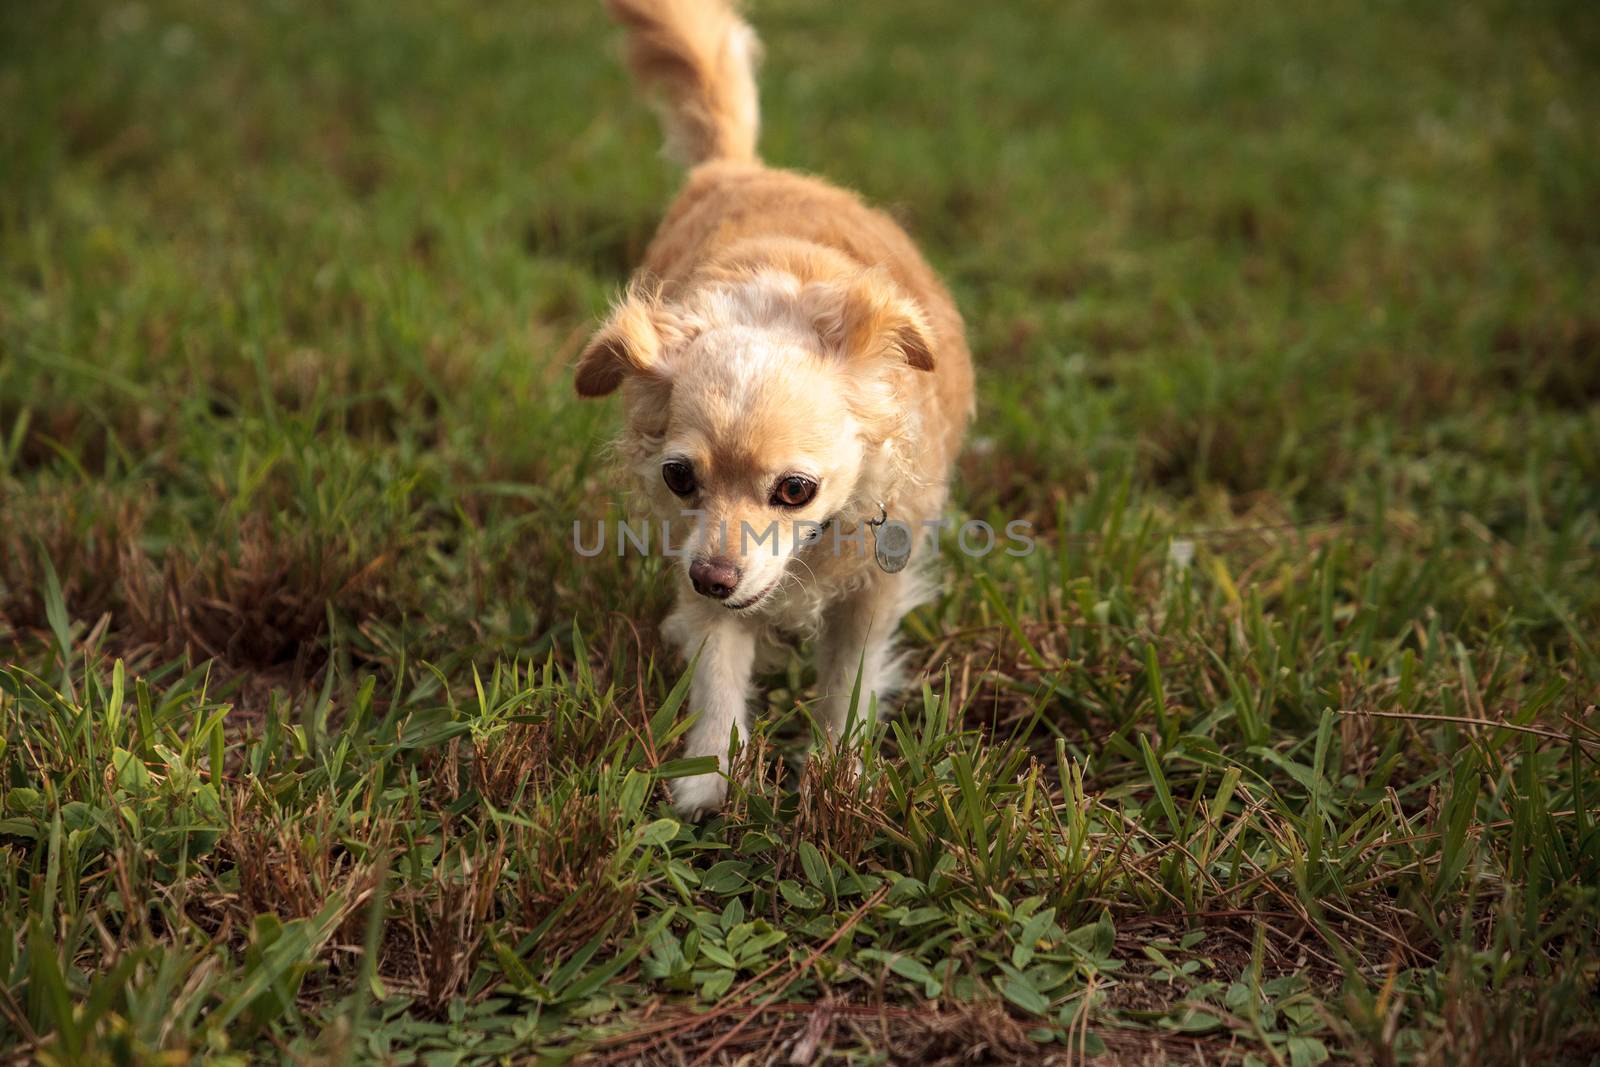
856	641
720	693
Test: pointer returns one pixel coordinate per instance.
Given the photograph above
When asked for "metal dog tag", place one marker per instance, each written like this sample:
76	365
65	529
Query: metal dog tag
891	544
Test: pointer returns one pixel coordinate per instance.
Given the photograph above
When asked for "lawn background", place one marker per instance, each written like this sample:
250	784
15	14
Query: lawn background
318	741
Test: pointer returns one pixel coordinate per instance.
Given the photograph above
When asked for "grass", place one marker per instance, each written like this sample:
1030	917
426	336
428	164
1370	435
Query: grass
319	743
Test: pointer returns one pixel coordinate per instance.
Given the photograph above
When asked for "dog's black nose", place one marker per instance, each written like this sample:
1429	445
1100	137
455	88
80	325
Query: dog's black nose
714	577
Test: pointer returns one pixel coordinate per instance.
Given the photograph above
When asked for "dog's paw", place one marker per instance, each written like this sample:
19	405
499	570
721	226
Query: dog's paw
698	795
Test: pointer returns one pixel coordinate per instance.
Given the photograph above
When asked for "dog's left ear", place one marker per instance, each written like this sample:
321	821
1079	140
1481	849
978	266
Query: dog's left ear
869	318
629	342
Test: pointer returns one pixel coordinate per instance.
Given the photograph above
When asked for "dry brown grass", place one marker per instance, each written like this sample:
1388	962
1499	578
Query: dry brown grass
567	878
91	538
292	866
436	932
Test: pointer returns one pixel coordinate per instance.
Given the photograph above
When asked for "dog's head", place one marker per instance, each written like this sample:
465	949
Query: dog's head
760	409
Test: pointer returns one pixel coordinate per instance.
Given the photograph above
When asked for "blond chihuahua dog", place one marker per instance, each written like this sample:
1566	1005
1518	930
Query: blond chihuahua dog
795	380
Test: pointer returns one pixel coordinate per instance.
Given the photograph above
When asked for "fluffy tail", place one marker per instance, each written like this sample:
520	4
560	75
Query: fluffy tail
700	56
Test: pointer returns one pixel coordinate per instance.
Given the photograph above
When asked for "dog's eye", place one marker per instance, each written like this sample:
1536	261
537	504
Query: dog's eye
794	491
679	477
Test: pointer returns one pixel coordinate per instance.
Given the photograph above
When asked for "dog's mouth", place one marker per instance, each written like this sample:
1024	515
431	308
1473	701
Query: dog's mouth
746	605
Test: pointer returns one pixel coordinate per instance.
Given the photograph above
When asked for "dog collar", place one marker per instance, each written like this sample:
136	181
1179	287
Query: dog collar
883	517
891	545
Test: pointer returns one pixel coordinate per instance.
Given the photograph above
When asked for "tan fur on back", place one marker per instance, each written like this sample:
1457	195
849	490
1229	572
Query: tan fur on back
739	217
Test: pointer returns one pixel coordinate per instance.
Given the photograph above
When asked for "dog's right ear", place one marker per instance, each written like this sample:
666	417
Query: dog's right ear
630	342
